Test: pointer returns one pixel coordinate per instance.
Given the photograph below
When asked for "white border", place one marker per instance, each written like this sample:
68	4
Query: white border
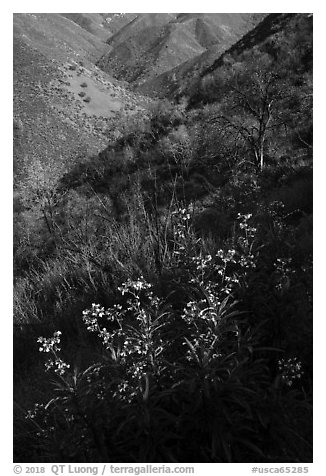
315	7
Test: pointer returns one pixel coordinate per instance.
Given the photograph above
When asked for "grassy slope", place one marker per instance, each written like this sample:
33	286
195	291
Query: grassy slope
41	132
65	298
182	80
94	23
51	120
139	23
152	44
57	37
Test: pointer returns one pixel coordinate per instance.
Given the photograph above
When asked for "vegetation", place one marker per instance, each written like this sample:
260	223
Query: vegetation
167	281
80	20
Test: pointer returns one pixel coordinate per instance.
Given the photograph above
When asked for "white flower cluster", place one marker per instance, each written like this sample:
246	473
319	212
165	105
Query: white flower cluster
283	272
91	316
131	286
228	256
182	214
249	230
58	365
290	369
50	344
134	340
38	408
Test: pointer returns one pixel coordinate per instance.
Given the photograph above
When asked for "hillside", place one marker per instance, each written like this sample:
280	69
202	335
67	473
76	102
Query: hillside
163	248
154	43
272	36
57	37
184	80
102	25
94	23
63	104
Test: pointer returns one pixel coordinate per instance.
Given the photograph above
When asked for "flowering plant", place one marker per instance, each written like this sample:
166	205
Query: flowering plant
165	371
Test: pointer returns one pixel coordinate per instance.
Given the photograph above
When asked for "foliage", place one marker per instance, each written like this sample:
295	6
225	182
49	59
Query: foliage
179	272
152	393
80	20
263	96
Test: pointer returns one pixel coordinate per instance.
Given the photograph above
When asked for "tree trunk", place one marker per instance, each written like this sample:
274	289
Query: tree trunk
261	159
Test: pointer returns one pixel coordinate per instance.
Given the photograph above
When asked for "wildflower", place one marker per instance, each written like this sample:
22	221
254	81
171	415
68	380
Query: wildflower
32	414
290	369
51	344
245	217
59	366
283	273
138	285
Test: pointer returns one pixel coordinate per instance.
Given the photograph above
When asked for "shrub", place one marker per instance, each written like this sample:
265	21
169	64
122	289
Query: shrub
142	373
87	99
169	385
82	94
83	85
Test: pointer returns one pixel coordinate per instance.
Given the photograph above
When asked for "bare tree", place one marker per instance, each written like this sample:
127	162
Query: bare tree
249	104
